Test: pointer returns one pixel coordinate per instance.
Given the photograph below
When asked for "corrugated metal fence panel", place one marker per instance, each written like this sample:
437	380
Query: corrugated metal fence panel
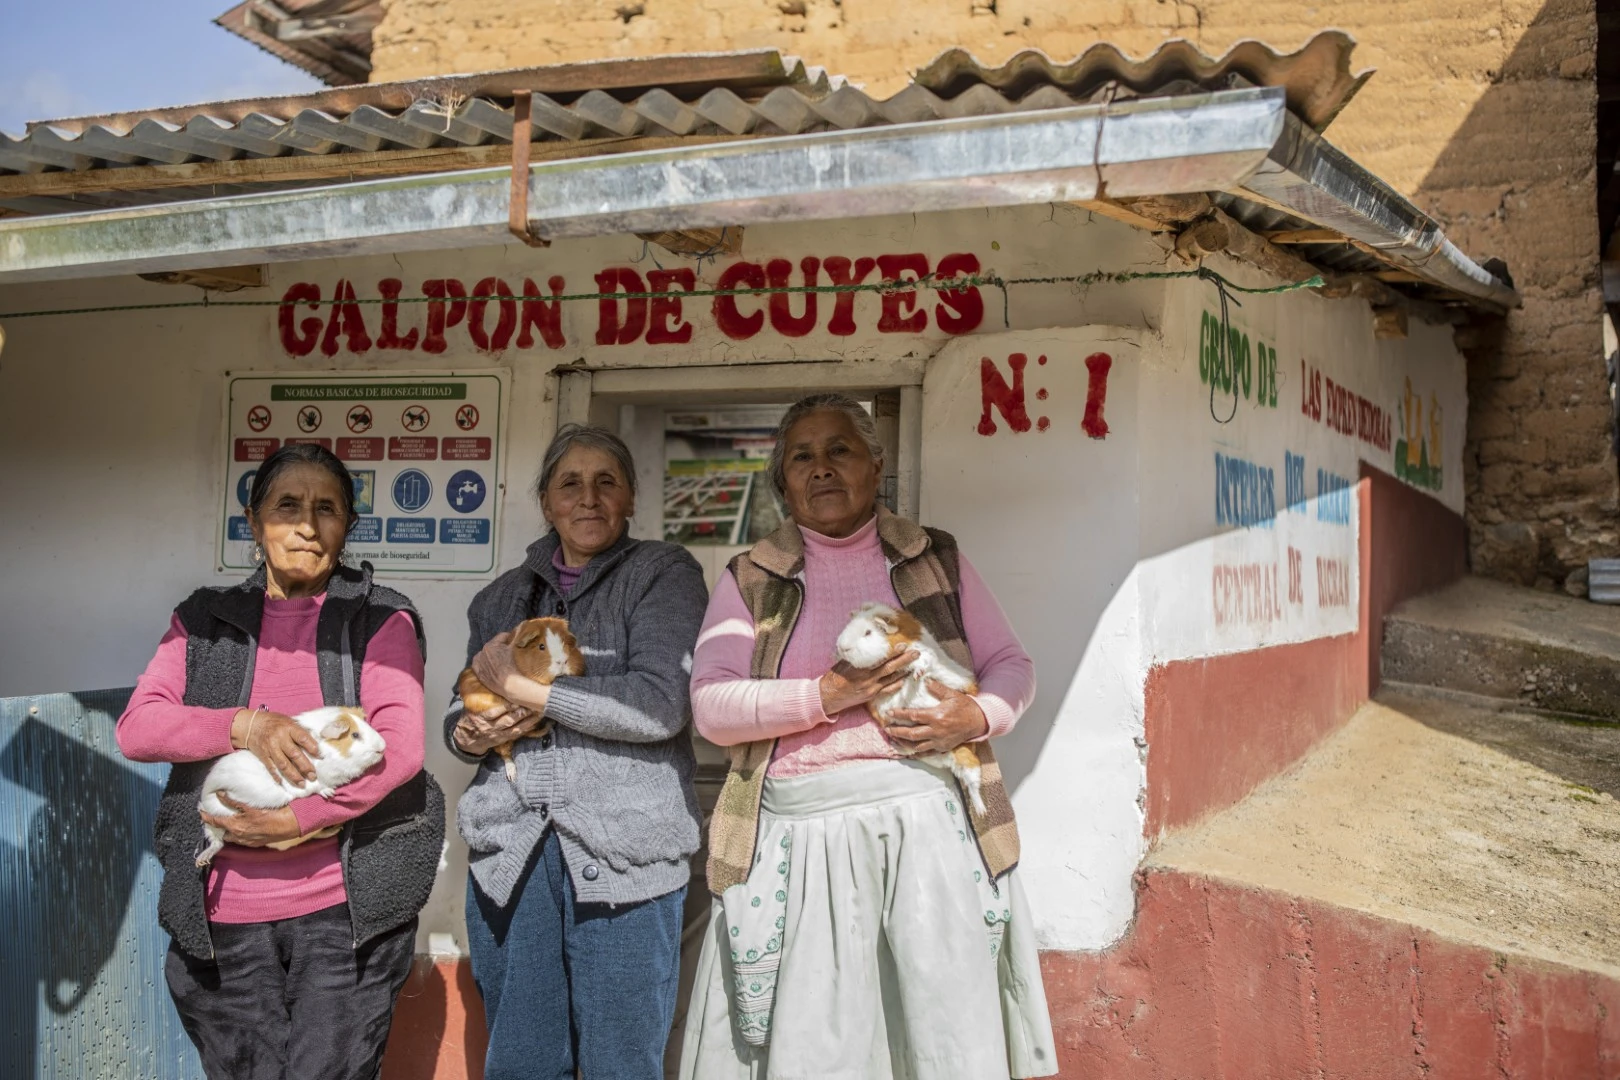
81	980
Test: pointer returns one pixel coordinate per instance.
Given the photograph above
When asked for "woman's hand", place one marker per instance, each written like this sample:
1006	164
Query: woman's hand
278	741
252	826
957	719
845	687
479	733
497	669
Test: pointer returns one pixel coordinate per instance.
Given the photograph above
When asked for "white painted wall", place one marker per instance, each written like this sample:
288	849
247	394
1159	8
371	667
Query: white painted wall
1102	551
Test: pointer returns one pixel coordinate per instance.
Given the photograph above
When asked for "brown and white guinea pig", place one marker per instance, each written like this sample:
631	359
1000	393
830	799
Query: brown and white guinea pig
877	632
348	747
542	649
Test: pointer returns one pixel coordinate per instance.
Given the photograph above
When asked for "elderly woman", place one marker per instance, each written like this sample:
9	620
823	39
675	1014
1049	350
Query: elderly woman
579	865
868	925
287	963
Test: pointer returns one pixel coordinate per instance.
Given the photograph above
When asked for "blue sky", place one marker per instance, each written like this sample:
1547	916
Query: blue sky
101	56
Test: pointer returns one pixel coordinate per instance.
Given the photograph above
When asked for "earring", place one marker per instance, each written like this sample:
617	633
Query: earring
258	554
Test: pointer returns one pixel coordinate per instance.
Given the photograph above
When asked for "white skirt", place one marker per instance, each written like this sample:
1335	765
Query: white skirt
868	944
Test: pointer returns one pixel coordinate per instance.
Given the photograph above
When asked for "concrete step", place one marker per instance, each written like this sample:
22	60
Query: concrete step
1397	819
1541	650
1403	904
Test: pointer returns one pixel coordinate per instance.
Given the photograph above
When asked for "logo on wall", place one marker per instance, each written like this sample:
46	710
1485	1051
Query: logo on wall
415	418
467	417
1419	453
359	419
412	490
309	419
258	418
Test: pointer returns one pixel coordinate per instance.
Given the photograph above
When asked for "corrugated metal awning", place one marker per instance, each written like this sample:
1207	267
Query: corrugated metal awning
668	143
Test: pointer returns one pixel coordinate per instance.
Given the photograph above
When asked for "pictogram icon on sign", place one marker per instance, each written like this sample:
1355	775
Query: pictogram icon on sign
309	418
467	417
258	418
415	418
359	419
244	486
465	491
412	490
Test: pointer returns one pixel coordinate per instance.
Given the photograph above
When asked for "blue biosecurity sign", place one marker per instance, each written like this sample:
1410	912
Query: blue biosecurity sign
466	492
424	449
412	490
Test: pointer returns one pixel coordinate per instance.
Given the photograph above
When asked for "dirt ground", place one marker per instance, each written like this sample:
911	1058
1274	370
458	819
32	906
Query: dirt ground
1393	817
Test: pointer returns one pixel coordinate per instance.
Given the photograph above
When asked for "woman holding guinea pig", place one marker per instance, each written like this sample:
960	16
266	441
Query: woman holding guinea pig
867	922
579	861
286	963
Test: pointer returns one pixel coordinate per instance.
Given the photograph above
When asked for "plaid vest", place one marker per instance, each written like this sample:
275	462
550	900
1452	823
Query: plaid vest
923	569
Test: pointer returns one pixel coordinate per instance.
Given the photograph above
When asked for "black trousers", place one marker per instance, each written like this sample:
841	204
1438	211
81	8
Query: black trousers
291	1000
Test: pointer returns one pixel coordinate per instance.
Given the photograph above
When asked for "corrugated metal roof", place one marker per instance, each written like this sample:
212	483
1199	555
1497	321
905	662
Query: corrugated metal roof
657	103
330	39
759	92
1317	77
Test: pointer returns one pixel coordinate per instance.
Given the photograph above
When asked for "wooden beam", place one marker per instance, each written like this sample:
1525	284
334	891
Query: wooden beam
220	278
336	168
1303	236
1398	277
1220	233
699	242
1171	211
1108	208
752	71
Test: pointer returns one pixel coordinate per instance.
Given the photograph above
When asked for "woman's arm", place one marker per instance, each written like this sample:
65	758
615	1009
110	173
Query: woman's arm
391	693
1005	673
729	705
156	726
648	703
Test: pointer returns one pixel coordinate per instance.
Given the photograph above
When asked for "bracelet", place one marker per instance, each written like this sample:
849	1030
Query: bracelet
253	718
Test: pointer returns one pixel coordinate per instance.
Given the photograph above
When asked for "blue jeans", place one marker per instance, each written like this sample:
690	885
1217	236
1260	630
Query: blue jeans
570	986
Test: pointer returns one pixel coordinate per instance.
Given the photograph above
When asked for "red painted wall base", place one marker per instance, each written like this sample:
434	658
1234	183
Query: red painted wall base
438	1029
1219	982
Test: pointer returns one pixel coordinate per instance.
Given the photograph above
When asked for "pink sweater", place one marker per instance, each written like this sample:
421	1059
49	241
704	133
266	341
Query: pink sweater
730	707
248	885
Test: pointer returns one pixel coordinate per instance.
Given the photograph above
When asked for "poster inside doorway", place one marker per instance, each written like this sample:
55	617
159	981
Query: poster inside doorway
424	450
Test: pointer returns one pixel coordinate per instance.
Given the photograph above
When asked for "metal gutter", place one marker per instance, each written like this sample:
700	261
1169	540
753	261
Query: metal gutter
1310	177
1147	146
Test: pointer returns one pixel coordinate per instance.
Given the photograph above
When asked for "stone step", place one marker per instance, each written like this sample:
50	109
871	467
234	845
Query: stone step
1541	650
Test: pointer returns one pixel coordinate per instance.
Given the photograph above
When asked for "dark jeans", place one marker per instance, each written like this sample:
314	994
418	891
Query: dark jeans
570	986
292	999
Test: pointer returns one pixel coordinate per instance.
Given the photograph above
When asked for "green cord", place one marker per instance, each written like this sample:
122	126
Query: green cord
938	285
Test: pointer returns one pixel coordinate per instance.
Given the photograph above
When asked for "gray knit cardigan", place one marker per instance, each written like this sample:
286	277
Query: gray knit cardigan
615	775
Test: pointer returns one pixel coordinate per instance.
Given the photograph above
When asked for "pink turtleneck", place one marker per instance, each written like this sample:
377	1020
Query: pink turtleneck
730	707
248	885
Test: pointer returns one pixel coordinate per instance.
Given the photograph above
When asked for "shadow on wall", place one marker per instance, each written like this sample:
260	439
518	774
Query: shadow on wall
1517	180
79	893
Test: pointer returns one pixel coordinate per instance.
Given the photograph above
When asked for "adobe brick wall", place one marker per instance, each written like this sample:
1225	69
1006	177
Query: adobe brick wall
1484	113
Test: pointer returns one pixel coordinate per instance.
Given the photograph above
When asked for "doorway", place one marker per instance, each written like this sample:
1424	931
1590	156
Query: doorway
701	437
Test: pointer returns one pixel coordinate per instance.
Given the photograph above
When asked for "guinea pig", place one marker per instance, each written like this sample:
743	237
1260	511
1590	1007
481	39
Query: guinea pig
348	747
877	632
542	649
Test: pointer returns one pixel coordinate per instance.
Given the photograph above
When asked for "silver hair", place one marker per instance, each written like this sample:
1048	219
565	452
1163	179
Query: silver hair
588	435
830	402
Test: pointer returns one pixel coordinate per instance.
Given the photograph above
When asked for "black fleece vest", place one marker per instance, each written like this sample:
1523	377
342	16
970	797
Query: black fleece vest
390	854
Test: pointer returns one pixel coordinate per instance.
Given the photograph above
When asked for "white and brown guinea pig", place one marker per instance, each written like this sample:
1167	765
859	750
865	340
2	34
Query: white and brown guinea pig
348	747
874	634
542	649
